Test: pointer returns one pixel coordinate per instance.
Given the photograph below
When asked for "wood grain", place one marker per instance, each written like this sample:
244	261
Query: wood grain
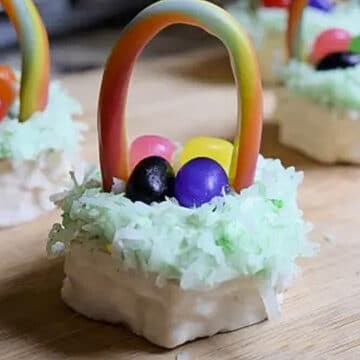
181	96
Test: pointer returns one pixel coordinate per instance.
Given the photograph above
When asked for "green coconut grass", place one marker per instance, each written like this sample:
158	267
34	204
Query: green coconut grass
337	89
53	129
260	231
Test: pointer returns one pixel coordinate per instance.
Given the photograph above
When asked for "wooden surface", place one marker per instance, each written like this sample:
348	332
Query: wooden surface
182	96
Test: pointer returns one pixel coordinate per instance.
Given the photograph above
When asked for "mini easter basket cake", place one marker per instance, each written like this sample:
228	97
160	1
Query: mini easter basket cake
39	140
178	257
319	110
266	20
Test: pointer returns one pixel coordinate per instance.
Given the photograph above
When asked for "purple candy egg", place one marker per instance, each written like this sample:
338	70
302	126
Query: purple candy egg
323	5
199	181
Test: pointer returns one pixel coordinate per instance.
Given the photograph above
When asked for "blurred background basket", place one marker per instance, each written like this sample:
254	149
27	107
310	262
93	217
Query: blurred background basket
82	33
63	16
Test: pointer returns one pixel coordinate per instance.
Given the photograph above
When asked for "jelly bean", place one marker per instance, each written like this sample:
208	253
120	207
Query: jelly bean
324	5
218	149
338	60
7	96
276	3
150	145
355	45
7	89
328	42
152	180
7	73
199	181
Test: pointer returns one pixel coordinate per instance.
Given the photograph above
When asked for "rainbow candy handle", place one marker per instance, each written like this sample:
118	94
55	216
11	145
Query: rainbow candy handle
113	95
35	55
294	42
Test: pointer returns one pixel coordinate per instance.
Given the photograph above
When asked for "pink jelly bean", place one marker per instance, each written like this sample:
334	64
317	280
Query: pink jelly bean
329	41
150	145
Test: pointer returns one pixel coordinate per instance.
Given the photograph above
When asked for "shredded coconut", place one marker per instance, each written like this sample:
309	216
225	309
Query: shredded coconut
338	88
53	129
258	232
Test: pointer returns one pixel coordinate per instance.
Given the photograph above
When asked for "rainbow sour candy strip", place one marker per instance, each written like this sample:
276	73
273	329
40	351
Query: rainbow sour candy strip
112	101
35	55
293	36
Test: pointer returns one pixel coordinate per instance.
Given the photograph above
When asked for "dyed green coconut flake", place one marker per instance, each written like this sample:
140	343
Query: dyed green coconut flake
338	88
54	129
260	231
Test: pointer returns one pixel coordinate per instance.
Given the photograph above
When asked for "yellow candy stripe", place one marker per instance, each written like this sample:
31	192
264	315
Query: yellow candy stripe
35	55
